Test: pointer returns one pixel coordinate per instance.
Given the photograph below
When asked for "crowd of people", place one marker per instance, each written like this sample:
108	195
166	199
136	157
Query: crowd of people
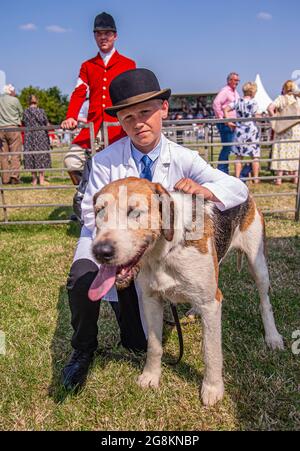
245	134
204	112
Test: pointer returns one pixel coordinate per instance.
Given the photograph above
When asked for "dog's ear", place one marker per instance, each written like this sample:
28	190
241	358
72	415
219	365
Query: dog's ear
166	208
95	197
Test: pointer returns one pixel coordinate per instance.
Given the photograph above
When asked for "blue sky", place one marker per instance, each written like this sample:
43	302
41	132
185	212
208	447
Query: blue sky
191	45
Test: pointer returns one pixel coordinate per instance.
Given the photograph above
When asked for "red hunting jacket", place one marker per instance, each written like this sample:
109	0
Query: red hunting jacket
96	77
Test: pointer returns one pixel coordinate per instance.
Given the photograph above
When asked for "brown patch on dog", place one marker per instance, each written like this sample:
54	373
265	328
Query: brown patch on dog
219	295
147	189
164	201
216	265
202	243
249	217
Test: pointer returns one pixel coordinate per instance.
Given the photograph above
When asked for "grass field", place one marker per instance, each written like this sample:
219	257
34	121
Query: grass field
262	387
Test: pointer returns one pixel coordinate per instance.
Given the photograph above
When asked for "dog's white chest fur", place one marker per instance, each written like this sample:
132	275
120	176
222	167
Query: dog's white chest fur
180	276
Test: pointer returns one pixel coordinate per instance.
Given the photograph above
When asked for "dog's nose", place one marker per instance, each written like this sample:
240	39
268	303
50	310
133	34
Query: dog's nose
104	251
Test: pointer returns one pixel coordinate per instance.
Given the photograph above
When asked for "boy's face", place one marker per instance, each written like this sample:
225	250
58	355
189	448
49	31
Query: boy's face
143	123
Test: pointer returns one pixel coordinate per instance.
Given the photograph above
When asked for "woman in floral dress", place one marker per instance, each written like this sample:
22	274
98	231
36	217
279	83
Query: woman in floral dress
246	133
286	150
36	141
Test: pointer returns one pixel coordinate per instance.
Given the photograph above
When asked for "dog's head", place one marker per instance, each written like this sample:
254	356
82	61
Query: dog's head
131	215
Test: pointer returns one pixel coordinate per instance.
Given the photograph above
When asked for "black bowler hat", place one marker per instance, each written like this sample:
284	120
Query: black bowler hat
133	87
104	22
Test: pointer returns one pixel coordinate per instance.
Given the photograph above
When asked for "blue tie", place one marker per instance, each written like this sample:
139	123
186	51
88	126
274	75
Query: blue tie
146	172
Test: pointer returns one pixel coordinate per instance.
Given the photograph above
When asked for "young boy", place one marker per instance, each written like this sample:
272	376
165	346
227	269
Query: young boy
140	106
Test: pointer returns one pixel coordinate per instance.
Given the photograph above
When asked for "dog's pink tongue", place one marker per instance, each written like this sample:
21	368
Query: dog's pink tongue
103	282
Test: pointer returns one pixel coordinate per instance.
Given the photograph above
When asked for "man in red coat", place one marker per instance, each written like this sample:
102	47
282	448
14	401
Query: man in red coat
94	79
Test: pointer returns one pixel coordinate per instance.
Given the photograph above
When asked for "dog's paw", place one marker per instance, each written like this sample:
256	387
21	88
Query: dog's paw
148	380
275	342
211	394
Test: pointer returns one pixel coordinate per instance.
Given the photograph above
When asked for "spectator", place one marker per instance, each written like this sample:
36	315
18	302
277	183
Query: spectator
10	117
35	141
200	132
286	150
94	79
227	95
246	132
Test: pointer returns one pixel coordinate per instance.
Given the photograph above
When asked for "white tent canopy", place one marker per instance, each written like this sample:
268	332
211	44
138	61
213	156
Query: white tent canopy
2	81
262	97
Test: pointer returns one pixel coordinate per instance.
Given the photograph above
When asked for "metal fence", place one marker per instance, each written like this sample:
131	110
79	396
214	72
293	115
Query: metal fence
7	205
200	135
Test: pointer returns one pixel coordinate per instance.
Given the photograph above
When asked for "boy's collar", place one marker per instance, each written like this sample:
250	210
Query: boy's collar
164	157
153	154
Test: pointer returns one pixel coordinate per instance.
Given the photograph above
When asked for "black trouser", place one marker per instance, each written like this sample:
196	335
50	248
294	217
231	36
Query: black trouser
85	313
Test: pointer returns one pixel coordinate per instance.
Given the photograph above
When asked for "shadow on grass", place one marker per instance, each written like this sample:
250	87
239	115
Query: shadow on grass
60	346
63	213
61	350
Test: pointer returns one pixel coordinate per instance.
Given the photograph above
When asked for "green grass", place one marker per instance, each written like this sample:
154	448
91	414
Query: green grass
262	387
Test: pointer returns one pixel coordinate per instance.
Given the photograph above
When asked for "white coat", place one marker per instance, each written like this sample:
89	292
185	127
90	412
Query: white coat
175	162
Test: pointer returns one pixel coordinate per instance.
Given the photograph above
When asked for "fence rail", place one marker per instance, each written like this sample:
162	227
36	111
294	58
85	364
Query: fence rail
209	140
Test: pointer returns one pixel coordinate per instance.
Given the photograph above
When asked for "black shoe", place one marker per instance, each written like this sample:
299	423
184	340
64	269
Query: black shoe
77	199
75	372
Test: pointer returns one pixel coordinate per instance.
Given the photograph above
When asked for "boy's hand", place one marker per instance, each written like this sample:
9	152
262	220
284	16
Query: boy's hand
188	186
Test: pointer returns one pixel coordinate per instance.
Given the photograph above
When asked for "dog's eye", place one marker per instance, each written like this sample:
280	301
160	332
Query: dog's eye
101	213
134	213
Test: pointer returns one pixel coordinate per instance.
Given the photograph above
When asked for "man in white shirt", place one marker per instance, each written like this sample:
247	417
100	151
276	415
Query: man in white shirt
140	105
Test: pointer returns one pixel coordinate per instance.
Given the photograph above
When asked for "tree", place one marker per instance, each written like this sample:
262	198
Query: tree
51	100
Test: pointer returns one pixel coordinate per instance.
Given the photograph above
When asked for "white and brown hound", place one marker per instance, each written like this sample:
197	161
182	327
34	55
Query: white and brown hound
171	265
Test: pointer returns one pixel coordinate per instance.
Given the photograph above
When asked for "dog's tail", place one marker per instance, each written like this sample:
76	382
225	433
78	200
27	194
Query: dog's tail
240	255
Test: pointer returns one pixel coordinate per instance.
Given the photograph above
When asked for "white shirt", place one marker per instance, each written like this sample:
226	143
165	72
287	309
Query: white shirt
107	56
153	155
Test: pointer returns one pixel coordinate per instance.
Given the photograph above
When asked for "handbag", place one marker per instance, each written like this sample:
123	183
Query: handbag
289	110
